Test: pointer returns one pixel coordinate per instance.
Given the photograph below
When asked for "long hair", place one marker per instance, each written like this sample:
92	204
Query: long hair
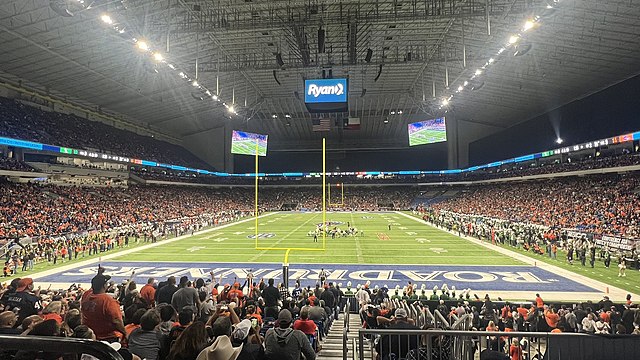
190	343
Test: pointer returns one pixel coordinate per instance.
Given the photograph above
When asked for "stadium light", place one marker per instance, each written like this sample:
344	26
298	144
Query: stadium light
287	115
514	39
274	116
157	57
445	102
478	71
528	25
195	83
142	45
460	88
232	109
106	19
215	97
559	140
491	60
400	112
385	121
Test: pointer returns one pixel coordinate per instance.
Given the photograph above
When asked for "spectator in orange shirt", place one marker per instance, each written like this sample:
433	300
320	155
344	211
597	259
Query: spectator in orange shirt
148	293
101	312
53	311
552	318
539	302
515	351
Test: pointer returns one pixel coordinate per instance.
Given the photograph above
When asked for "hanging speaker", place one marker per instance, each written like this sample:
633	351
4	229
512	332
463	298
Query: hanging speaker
279	60
367	58
275	77
379	73
321	40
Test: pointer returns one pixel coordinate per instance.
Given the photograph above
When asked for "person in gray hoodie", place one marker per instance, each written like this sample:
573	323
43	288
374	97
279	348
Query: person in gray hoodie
285	343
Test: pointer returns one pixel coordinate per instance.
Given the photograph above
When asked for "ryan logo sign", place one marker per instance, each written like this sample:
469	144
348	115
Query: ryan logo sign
325	91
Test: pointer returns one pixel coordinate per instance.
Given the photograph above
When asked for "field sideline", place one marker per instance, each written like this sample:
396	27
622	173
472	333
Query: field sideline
410	251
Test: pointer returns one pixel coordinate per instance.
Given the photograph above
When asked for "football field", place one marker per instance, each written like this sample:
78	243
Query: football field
388	249
408	242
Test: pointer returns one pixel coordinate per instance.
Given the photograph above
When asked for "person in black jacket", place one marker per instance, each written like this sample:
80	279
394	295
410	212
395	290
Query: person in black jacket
165	293
271	295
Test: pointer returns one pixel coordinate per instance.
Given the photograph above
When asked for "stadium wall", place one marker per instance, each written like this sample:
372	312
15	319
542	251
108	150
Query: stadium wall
610	112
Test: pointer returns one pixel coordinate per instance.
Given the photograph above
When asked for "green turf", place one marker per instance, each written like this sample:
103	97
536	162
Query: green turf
427	136
247	147
408	242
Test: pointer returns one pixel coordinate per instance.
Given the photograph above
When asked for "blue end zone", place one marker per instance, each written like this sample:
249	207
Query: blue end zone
496	278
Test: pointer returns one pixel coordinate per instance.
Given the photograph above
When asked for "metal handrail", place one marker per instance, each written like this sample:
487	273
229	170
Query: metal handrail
59	345
466	345
345	330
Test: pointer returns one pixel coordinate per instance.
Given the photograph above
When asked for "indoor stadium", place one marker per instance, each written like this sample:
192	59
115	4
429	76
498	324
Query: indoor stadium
319	179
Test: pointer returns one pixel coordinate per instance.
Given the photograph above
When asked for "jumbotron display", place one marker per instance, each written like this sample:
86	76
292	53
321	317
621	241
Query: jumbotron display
427	132
244	143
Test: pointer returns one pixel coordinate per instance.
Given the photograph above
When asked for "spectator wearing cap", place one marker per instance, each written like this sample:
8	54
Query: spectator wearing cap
185	297
22	300
283	342
240	337
221	348
101	312
165	293
398	344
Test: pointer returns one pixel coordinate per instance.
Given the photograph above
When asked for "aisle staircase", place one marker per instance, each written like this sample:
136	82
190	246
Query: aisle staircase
332	344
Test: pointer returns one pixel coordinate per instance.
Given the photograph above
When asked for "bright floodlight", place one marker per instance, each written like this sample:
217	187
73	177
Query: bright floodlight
445	102
491	60
195	83
460	88
232	109
274	116
287	115
106	19
215	97
514	39
478	72
559	141
157	57
142	45
528	25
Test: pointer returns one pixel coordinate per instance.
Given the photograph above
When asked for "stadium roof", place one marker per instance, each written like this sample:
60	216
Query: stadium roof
576	48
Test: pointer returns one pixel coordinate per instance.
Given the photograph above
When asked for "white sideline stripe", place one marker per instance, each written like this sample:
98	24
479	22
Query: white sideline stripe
134	250
615	293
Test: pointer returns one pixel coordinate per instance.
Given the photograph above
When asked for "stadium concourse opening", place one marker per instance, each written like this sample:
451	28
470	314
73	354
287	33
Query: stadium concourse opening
285	180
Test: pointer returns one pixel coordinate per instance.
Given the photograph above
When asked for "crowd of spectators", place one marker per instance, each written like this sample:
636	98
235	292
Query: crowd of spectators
7	163
41	210
176	319
605	204
29	123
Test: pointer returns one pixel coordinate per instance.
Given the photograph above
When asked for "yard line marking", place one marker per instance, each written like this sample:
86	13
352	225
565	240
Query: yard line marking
256	257
137	249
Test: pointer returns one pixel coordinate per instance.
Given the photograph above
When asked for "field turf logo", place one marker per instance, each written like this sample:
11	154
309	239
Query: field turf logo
262	236
331	223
